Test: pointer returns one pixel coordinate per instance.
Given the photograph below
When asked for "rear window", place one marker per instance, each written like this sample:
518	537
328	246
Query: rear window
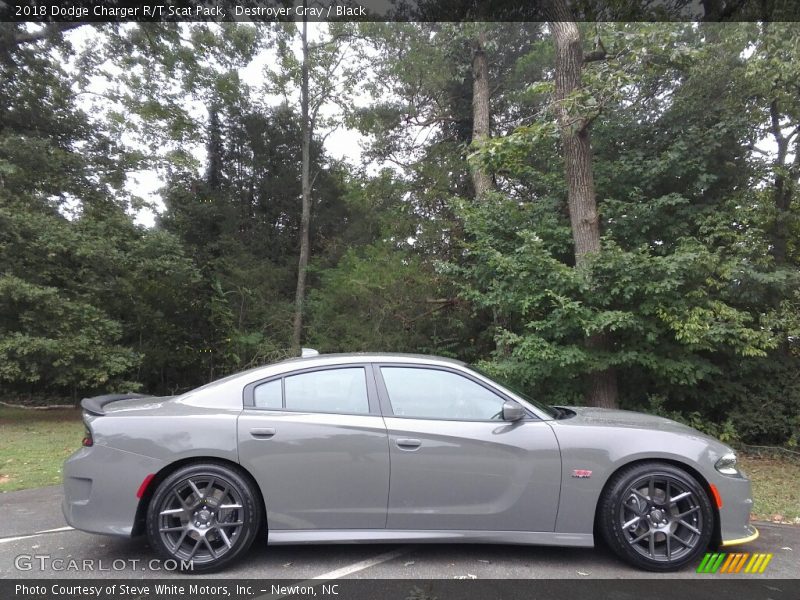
330	390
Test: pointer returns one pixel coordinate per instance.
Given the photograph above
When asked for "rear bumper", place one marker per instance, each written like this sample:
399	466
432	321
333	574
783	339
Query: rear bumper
100	486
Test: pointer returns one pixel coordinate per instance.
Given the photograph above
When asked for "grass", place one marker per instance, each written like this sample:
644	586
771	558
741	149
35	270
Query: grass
34	444
775	489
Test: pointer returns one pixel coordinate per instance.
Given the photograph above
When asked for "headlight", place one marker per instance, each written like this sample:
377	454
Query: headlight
727	464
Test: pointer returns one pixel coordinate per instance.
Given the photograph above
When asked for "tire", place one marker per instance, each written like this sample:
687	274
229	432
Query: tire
656	516
208	514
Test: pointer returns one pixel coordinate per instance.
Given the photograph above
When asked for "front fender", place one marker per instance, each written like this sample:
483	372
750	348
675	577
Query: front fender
603	450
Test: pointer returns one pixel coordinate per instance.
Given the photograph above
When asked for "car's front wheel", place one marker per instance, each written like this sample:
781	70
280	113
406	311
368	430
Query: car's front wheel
656	516
203	516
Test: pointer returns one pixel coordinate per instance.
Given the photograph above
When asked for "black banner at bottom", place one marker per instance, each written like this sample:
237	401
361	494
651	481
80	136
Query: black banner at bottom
401	589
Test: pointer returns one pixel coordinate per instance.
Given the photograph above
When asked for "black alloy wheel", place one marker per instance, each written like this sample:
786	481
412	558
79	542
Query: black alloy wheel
203	516
656	516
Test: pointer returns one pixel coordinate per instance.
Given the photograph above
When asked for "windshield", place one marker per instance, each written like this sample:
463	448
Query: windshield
549	410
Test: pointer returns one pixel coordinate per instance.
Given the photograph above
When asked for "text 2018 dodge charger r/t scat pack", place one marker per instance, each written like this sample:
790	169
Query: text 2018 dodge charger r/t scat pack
396	448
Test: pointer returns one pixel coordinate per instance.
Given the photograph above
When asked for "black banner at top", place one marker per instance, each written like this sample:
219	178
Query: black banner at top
393	10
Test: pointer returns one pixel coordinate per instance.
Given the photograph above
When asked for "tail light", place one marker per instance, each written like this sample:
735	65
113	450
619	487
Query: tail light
87	436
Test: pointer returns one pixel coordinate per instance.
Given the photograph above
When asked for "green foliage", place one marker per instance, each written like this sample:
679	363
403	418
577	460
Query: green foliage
90	302
725	431
684	284
58	343
241	225
695	287
664	312
381	299
69	324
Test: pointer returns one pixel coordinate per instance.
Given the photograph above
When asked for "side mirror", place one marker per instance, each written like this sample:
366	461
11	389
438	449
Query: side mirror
512	411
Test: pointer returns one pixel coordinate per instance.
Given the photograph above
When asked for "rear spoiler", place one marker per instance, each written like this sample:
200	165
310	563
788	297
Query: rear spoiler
95	404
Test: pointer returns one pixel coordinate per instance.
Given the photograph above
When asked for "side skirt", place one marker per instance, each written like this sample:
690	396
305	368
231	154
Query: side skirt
389	536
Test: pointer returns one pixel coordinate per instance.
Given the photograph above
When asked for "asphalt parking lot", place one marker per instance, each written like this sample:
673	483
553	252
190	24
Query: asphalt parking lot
32	527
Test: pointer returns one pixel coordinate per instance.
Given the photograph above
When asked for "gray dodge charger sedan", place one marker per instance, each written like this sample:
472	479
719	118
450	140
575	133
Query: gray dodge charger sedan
396	448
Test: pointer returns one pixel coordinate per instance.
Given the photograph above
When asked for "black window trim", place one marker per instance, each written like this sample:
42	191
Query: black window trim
248	393
386	406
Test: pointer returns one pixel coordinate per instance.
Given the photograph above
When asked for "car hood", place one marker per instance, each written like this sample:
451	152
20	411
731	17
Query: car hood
626	418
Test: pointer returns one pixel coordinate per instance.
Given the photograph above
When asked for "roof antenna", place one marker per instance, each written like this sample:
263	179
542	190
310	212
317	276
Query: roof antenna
308	352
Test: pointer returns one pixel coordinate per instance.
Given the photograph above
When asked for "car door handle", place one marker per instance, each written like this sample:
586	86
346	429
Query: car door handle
262	433
408	443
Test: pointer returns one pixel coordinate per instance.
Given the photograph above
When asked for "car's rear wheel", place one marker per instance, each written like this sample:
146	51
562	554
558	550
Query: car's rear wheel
656	516
204	515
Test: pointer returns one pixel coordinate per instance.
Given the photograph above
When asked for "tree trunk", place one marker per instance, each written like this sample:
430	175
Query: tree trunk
601	389
781	192
481	180
783	186
305	219
576	142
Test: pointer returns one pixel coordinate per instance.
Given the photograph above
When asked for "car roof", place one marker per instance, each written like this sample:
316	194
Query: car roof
227	392
339	358
319	360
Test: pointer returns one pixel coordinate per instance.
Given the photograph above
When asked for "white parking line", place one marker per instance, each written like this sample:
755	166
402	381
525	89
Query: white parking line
56	530
19	537
364	564
33	535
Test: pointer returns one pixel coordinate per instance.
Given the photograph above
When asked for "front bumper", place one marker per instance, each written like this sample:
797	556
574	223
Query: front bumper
744	540
734	514
100	486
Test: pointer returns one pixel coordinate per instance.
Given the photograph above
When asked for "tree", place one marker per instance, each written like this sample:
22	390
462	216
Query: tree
244	233
577	148
381	294
326	72
71	257
481	117
684	281
776	52
641	208
305	219
433	83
